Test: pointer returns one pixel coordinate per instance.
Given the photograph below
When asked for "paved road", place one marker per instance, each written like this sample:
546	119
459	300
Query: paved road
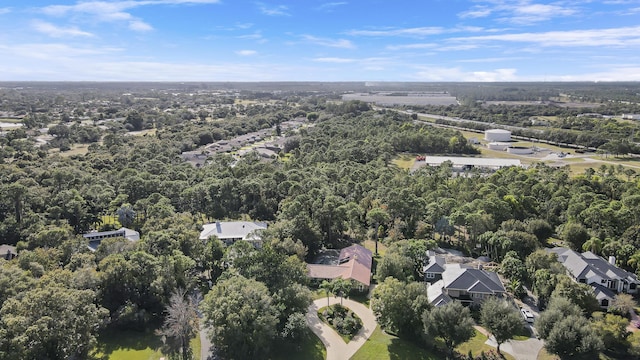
336	348
205	344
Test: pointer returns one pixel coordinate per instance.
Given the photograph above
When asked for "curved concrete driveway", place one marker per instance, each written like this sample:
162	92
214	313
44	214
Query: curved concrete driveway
336	348
521	350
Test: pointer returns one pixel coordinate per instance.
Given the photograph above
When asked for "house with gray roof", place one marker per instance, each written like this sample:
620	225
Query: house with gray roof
604	276
459	282
231	231
434	269
96	237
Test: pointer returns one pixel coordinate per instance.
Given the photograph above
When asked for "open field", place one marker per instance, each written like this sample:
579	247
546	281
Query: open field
77	149
133	345
405	161
12	121
143	132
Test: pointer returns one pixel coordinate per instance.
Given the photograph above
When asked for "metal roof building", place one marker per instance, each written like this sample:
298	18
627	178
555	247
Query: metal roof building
459	161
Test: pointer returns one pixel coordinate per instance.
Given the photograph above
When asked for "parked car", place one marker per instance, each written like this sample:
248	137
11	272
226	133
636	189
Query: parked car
527	315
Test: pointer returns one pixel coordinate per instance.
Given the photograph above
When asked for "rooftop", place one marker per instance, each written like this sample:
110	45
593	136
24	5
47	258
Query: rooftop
245	230
459	161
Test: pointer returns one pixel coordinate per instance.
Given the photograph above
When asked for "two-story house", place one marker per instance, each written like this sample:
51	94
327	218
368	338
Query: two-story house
604	276
469	285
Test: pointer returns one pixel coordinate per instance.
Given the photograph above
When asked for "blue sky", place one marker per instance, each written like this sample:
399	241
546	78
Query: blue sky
314	40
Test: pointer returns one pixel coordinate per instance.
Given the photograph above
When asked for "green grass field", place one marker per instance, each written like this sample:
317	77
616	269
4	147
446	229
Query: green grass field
133	345
382	346
477	345
310	348
405	161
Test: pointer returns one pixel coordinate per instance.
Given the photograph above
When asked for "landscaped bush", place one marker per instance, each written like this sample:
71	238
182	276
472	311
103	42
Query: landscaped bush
343	320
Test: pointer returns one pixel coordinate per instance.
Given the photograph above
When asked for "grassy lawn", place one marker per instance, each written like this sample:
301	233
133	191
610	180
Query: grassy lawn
133	345
371	245
405	161
310	348
382	346
477	345
77	149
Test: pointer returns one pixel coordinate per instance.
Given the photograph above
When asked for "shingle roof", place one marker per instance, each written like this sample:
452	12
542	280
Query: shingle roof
436	264
231	229
435	294
601	292
588	264
475	280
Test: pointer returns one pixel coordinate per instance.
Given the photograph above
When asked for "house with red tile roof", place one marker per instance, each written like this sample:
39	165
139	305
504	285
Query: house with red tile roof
354	263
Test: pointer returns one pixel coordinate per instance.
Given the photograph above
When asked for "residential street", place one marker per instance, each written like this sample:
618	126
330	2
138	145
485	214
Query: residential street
336	348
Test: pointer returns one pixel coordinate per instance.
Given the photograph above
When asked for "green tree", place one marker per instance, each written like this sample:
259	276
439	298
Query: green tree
377	217
501	319
573	337
576	234
52	322
242	318
398	306
328	289
612	329
578	293
451	322
341	287
622	304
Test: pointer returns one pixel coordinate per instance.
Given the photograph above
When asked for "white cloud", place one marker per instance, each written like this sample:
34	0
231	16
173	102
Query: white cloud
416	31
613	37
330	6
521	12
335	60
56	31
53	51
246	52
456	74
476	12
336	43
412	46
277	10
139	25
104	11
490	59
5	11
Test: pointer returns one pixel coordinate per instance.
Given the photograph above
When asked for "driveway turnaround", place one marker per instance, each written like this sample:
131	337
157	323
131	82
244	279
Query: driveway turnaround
521	350
336	348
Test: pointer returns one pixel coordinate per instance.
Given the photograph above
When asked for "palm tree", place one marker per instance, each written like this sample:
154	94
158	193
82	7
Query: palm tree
327	287
594	245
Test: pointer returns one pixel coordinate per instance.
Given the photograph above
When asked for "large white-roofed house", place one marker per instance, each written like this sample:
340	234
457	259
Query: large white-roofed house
231	231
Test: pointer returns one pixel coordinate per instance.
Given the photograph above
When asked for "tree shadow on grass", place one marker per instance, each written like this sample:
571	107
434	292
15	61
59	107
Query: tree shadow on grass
110	341
402	349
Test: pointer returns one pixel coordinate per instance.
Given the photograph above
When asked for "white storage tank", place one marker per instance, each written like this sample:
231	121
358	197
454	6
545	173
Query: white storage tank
497	135
498	146
520	150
